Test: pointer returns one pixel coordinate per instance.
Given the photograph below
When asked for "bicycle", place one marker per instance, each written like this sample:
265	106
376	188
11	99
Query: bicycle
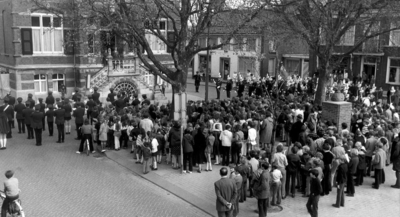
14	208
86	147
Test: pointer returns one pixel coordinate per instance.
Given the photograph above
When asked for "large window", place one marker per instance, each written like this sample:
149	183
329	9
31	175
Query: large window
157	45
58	82
393	72
271	66
40	83
293	66
394	36
348	37
247	64
47	33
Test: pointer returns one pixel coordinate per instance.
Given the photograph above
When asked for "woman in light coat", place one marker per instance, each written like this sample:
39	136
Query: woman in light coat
103	134
266	130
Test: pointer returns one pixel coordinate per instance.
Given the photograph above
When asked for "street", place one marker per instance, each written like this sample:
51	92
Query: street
55	181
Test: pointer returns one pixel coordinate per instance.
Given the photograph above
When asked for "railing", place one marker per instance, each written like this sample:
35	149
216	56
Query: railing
100	78
122	66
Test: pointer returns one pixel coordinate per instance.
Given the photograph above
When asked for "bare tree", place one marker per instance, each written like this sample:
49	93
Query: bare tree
323	24
133	20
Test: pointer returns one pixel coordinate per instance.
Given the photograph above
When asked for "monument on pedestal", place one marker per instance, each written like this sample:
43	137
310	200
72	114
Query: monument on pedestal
337	110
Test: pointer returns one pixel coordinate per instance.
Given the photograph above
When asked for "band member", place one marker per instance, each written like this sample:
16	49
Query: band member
218	84
228	87
197	80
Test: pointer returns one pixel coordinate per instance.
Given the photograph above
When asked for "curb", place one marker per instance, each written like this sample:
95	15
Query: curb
173	189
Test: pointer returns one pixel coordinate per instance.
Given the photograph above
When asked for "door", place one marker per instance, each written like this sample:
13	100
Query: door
225	68
369	74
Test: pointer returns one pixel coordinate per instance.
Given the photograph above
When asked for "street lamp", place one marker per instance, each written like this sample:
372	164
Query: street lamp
208	61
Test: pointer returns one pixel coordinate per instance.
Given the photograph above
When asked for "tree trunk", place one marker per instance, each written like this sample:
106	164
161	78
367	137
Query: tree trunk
322	82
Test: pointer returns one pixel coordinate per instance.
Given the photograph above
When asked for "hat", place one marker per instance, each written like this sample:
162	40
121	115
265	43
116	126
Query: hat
19	99
37	107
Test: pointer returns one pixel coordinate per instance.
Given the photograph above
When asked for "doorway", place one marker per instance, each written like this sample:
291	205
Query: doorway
368	74
225	68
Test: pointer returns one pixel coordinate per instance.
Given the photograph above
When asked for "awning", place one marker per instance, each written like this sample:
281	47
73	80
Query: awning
299	56
164	59
368	54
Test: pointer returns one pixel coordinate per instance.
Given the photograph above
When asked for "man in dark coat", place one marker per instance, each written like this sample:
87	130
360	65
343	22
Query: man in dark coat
226	192
76	95
49	99
111	96
96	96
19	116
218	85
296	129
26	113
50	119
37	125
197	80
42	108
135	101
395	158
78	114
9	111
90	105
59	114
30	100
228	87
120	103
145	100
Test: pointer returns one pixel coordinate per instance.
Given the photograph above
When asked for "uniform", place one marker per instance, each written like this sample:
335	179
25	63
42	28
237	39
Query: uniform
37	125
20	117
218	84
26	113
10	118
50	119
60	114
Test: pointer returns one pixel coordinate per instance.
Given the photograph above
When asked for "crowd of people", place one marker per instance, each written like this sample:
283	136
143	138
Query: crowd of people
311	156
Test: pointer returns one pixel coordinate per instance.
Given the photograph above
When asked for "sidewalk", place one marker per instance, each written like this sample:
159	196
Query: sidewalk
198	190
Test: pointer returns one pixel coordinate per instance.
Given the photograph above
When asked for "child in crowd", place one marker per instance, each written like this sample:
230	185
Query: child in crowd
146	149
87	131
276	175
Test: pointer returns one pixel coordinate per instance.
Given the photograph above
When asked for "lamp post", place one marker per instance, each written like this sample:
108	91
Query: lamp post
208	61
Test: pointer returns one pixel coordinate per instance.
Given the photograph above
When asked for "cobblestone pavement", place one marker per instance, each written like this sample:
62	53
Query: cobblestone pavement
55	181
367	201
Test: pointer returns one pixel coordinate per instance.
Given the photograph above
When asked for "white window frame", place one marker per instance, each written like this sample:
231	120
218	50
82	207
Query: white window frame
388	70
56	80
156	42
42	29
39	82
392	41
351	30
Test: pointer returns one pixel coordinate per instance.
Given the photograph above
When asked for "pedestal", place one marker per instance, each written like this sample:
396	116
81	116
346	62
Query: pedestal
339	112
